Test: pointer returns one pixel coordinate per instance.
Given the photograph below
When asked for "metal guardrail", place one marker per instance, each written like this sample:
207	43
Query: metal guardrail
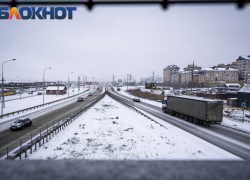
41	105
44	133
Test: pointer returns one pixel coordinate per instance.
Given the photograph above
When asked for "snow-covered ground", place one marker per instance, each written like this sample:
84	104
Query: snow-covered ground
234	121
123	92
15	105
111	131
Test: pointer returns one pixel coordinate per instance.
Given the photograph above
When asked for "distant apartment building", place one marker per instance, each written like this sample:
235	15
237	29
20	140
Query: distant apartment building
175	77
222	73
243	65
218	74
167	73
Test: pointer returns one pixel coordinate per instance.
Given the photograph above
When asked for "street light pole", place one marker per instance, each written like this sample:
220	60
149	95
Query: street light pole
247	69
21	88
43	82
2	93
68	83
79	83
127	82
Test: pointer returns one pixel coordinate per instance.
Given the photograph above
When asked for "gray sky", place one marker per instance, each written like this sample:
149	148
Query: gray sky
122	40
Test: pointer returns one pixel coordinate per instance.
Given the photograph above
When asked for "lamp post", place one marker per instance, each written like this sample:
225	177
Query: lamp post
83	83
68	82
20	78
78	83
21	87
3	88
43	82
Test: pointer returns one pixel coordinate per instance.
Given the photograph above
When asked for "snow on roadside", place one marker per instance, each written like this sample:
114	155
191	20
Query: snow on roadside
15	105
111	131
12	106
123	92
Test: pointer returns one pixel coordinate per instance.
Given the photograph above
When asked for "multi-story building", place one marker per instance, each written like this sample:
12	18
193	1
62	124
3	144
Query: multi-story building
218	74
243	66
175	77
167	71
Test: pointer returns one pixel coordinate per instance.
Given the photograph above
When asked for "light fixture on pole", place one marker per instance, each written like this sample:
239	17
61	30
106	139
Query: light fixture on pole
68	83
44	83
2	93
20	78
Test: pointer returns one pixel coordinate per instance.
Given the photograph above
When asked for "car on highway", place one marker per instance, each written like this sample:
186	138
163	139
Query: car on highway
21	123
79	99
136	100
39	93
90	94
247	115
30	92
19	92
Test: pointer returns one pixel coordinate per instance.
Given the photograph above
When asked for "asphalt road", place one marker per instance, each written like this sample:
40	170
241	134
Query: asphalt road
235	142
7	136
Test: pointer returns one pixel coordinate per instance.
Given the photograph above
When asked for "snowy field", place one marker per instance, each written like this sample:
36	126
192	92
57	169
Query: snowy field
235	121
111	131
16	105
123	92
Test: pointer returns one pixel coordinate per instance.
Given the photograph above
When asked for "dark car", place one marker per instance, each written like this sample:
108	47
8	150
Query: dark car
39	93
90	94
21	123
30	92
136	100
247	115
80	99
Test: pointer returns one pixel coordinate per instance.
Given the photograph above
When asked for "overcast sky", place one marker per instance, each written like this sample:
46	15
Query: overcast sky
120	40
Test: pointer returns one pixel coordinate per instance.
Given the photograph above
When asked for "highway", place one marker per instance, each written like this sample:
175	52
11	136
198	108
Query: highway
235	142
41	118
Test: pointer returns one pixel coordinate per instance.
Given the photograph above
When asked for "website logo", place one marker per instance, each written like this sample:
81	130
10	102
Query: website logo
26	13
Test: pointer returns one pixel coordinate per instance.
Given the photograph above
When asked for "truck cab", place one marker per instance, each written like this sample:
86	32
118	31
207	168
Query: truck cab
164	103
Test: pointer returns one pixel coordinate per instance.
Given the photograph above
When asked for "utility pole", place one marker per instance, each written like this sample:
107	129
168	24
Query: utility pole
247	69
78	84
57	88
127	82
192	78
82	82
130	80
153	78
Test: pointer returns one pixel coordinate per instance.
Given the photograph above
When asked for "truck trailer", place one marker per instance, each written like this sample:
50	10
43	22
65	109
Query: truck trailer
194	109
